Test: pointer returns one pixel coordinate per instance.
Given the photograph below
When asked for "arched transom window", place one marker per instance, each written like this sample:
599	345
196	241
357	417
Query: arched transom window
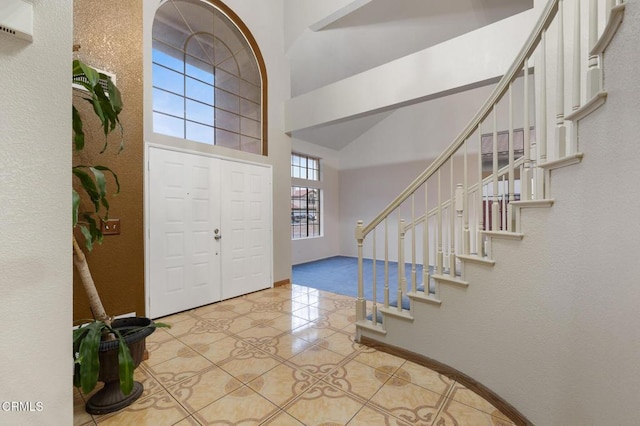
208	77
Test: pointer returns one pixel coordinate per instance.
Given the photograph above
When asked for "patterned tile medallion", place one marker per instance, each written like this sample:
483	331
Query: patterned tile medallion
357	379
243	406
324	404
156	409
200	390
408	402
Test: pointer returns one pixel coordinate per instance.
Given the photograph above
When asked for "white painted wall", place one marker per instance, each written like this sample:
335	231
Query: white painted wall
35	213
553	326
308	249
479	56
416	132
265	21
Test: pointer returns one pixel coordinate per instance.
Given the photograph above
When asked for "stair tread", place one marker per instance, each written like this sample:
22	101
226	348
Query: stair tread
448	279
504	234
475	258
563	162
423	297
404	313
547	202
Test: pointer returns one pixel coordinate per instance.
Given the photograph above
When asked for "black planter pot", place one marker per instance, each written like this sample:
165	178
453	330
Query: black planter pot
110	398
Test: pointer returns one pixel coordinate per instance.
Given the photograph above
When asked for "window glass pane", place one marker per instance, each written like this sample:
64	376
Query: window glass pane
250	128
250	109
199	112
199	70
227	101
230	65
250	91
201	46
250	144
171	27
168	103
166	125
199	133
226	81
199	91
227	139
168	79
227	121
167	56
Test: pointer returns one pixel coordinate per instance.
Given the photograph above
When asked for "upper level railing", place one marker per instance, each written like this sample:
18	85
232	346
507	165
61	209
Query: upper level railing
467	192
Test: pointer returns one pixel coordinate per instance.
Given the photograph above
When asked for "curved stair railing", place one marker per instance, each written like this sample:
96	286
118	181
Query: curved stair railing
474	190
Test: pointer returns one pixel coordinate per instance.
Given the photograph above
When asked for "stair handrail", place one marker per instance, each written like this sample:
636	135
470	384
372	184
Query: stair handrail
545	20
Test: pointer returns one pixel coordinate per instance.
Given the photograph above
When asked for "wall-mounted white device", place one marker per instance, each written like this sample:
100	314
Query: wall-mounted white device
16	19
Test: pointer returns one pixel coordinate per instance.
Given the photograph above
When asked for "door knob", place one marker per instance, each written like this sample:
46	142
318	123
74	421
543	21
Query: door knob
217	235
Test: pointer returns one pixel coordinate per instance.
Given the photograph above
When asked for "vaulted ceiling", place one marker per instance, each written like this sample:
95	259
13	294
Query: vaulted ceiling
363	34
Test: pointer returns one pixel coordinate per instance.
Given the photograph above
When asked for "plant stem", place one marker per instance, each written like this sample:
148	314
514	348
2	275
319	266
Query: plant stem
80	262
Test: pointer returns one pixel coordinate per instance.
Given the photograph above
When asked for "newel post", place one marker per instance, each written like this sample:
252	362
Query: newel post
361	306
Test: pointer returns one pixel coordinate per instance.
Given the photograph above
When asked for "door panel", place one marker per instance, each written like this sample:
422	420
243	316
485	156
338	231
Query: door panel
184	270
246	221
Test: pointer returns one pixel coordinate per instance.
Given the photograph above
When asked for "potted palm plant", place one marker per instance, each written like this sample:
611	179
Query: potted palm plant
103	349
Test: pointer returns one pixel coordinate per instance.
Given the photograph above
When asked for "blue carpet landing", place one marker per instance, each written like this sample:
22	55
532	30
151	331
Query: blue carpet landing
339	274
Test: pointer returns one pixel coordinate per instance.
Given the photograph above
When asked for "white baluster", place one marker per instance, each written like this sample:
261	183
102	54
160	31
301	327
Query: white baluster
561	130
503	206
402	279
526	176
386	263
576	78
594	75
425	242
374	307
495	208
577	64
413	243
466	236
480	209
459	210
541	143
439	258
512	173
452	227
361	303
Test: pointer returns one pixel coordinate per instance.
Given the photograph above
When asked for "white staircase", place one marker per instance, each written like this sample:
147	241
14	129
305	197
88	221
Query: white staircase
466	214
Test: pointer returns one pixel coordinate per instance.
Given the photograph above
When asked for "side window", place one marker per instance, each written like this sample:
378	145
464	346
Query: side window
306	212
208	78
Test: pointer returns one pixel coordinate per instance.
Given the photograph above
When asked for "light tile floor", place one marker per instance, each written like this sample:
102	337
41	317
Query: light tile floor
285	356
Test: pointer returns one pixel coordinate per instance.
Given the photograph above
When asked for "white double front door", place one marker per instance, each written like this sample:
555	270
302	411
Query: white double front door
209	230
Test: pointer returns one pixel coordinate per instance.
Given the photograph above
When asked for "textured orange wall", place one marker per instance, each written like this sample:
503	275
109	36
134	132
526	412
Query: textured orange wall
109	33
